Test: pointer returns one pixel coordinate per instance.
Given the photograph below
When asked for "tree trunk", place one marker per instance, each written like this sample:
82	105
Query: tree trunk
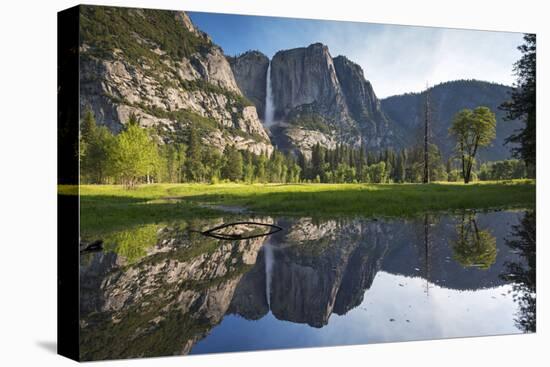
464	169
426	178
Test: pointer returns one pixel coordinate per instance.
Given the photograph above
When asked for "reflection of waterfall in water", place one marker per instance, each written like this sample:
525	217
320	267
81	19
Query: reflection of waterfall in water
269	107
269	260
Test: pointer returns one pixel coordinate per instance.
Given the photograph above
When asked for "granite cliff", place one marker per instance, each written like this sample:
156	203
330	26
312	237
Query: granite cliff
167	73
317	99
250	70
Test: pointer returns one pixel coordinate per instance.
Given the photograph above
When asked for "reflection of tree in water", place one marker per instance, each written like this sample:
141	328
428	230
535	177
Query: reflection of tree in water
428	220
425	247
523	274
474	247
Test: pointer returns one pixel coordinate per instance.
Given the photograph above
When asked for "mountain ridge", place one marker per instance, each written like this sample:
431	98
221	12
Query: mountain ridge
318	99
446	99
171	76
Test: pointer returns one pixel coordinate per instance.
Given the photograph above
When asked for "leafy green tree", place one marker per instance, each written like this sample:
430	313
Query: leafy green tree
134	155
345	173
173	157
503	170
454	176
472	130
523	104
377	172
233	164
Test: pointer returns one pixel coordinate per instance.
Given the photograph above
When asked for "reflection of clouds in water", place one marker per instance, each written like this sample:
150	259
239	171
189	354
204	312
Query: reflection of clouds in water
444	313
324	269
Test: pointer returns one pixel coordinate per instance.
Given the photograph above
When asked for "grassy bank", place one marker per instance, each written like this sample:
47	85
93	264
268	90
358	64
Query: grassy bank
108	207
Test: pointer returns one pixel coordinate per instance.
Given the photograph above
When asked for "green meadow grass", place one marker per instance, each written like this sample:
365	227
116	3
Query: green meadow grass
105	208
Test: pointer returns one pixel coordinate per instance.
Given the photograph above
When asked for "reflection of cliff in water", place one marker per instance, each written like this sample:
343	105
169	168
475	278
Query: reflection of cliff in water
318	269
163	303
324	268
167	301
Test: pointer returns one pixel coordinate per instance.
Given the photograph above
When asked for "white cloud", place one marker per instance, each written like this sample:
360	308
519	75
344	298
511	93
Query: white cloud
400	59
396	59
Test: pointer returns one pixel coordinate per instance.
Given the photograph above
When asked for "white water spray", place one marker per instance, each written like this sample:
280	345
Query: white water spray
269	115
269	261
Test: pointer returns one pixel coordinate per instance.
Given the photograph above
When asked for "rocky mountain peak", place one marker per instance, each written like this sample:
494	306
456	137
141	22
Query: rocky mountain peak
303	76
250	71
166	71
361	101
317	98
186	21
344	62
169	74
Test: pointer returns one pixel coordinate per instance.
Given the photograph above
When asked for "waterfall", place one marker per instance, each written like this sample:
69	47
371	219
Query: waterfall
269	260
269	115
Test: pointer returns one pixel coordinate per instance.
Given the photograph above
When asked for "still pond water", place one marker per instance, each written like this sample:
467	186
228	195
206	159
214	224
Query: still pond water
167	289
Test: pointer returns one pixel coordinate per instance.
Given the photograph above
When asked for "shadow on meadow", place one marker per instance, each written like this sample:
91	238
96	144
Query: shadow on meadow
374	200
103	214
108	208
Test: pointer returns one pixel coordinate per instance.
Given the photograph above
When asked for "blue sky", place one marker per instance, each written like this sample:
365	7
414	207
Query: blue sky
396	59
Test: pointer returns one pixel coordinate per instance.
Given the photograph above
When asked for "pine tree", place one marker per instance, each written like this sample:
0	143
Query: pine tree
302	164
362	161
193	166
87	125
317	160
248	169
262	168
523	102
233	165
96	143
400	168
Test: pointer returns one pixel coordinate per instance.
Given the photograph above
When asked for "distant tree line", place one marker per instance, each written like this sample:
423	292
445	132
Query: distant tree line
502	170
345	164
137	155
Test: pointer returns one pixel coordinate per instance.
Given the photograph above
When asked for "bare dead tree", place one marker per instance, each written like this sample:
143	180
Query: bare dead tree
426	178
